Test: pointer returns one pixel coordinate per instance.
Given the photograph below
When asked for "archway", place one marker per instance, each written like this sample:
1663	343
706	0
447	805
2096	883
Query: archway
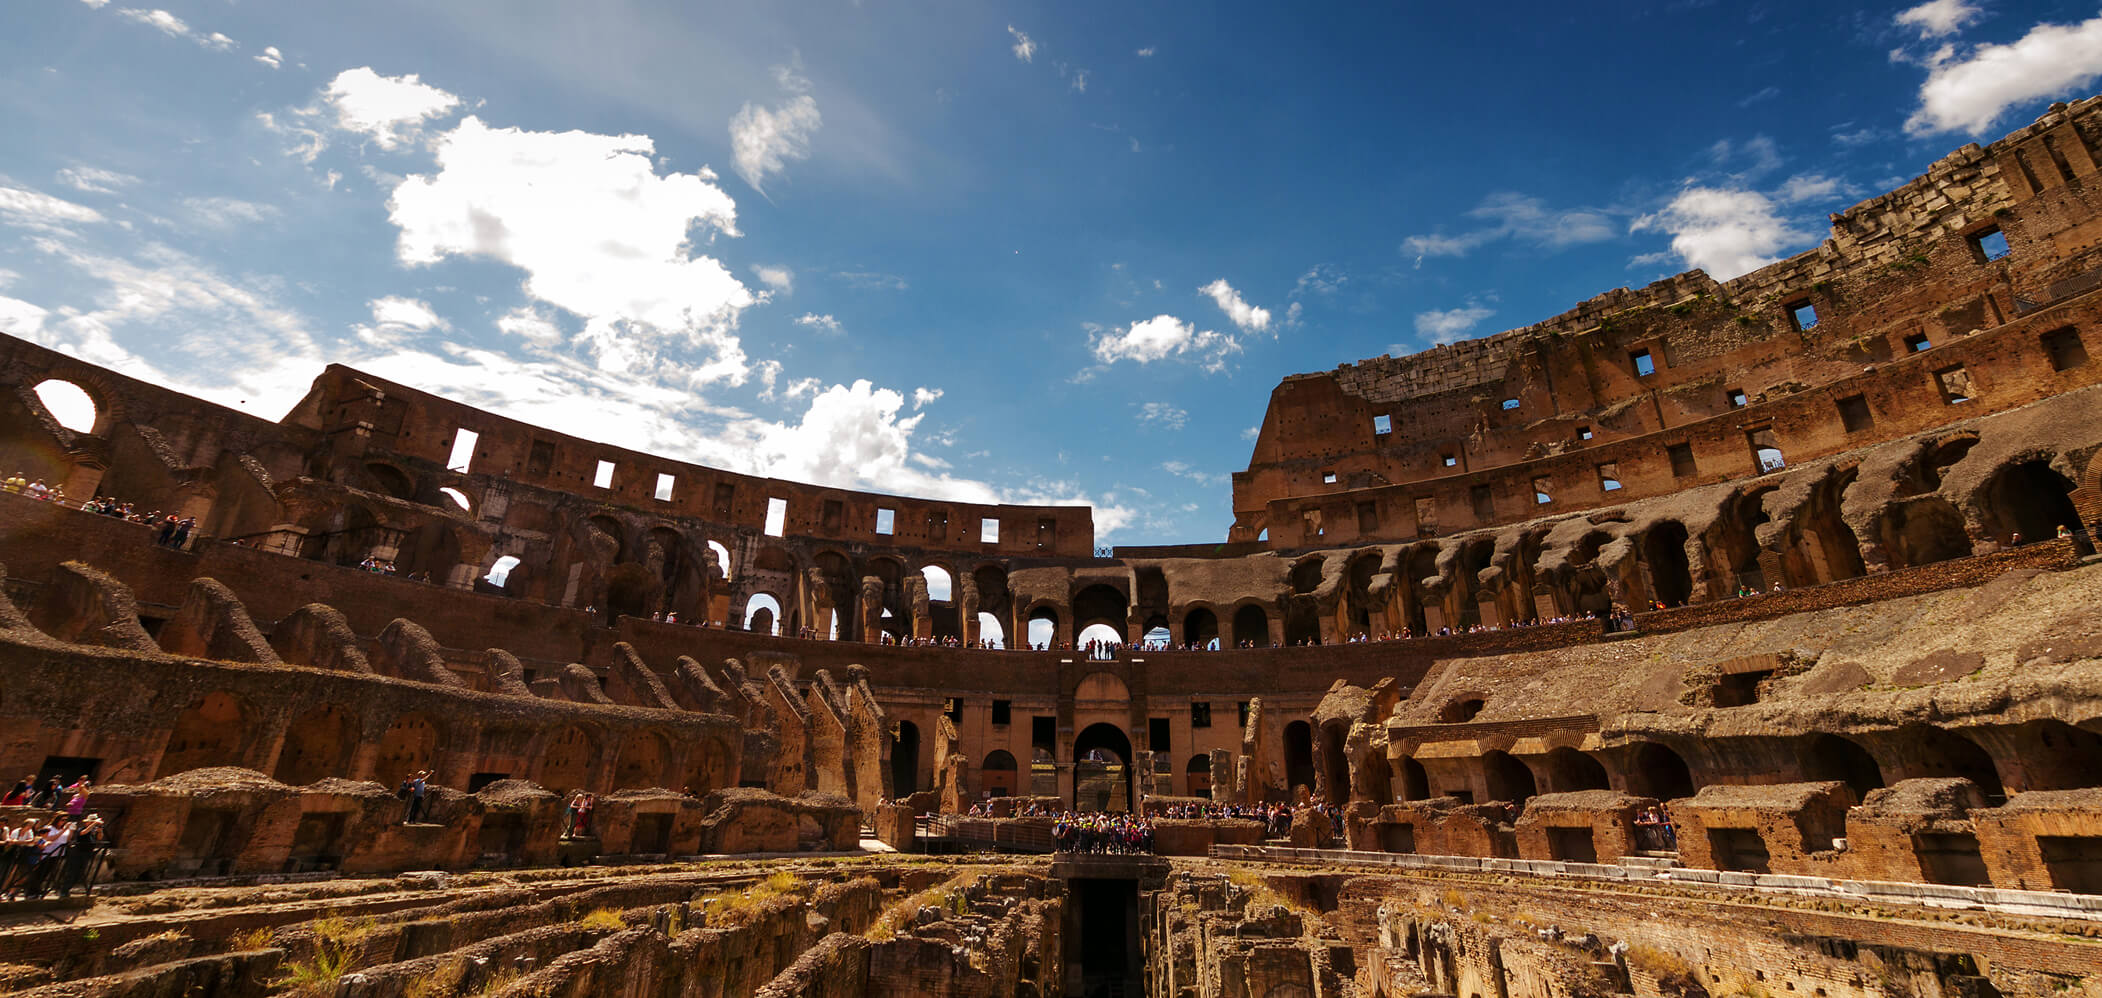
1830	757
1664	551
641	762
428	554
410	744
391	480
1100	604
1374	779
1922	531
1655	770
1102	769
1043	628
996	777
2058	756
1200	629
500	572
457	497
905	760
565	765
722	557
68	403
941	602
1944	753
1415	780
1335	766
1506	778
990	632
1197	775
1299	756
1569	769
1102	636
317	746
207	734
2029	499
762	613
1251	627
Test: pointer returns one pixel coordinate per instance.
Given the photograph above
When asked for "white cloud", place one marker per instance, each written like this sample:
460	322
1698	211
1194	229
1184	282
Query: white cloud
1320	279
1182	469
1937	18
92	180
922	396
218	42
226	213
1805	187
395	318
1163	415
869	280
20	318
389	109
822	323
532	325
1248	317
762	141
160	20
1024	47
1147	52
1516	216
96	4
1251	433
616	249
1970	94
1161	337
1078	79
1447	325
1726	232
271	57
39	211
779	279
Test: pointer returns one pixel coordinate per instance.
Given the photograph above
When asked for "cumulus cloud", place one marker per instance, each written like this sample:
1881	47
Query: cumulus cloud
922	396
389	110
1726	232
1160	338
1937	18
822	323
763	140
779	279
617	249
1516	216
159	20
1163	415
1024	46
271	57
1447	325
1248	317
1971	92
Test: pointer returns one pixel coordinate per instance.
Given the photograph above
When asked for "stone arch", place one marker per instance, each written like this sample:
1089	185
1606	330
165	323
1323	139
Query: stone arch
409	744
1099	789
318	745
1299	755
1043	610
1588	589
1475	557
208	733
1100	603
1831	757
1736	536
1415	780
1922	531
2054	755
1924	472
997	776
74	406
1197	775
1818	546
613	530
1506	778
1251	626
641	762
566	759
1200	627
1362	611
428	553
1654	770
1568	769
2029	498
1940	752
1420	576
1664	553
390	480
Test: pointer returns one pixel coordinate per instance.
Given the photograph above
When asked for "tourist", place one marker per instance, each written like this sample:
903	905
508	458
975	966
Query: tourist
77	797
182	532
19	796
413	792
50	845
89	840
17	855
15	483
576	818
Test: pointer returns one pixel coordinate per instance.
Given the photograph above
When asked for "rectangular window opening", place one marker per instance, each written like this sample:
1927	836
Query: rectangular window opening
1766	449
1681	456
1200	715
1854	413
1917	342
1328	478
1989	244
1583	433
1483	501
1157	734
988	530
886	521
1043	731
1368	517
2065	349
1543	490
1955	384
463	451
1003	713
1510	404
1609	476
541	458
1382	424
954	708
1802	314
1426	517
1241	712
1738	399
664	485
603	477
1451	461
776	516
1645	365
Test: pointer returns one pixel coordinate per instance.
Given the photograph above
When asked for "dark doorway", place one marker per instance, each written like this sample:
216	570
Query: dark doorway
1251	627
1200	628
905	760
1657	771
2029	499
1569	769
1299	756
1107	949
1335	766
1664	551
1102	769
1830	757
1415	780
1508	779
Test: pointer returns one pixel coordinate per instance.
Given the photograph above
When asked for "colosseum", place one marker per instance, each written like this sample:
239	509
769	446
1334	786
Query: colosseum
1709	638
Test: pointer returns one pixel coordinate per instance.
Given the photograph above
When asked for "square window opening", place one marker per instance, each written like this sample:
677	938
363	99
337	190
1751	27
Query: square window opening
886	521
603	477
540	458
1583	433
664	485
1328	478
1917	342
1802	314
1644	364
1766	449
1854	413
1609	476
1510	404
1157	734
1955	385
1681	456
1003	713
776	516
1043	731
1200	715
1738	400
1543	491
2065	349
1989	244
463	451
1382	424
988	531
1451	461
1241	711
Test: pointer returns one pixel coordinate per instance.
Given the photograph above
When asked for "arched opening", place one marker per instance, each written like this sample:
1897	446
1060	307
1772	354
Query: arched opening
1100	604
1043	627
428	554
641	762
722	557
2029	500
457	497
1821	547
565	765
1197	775
391	480
1924	473
207	734
1830	757
500	572
1306	575
1664	551
1475	558
940	587
1422	570
1374	780
1656	771
1944	753
317	746
1415	780
905	760
1200	629
1569	769
1922	531
941	602
990	632
410	744
1102	769
1506	778
68	403
1251	627
2058	756
1460	711
1299	756
997	776
1100	635
1587	578
762	614
1335	766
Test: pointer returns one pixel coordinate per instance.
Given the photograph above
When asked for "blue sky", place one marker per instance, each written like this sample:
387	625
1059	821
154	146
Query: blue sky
1024	252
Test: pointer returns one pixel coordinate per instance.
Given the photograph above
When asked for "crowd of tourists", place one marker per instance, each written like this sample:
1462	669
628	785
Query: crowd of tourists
173	530
56	852
1654	832
1101	833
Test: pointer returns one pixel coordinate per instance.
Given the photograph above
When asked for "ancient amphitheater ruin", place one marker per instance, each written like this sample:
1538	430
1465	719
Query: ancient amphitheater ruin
1707	639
